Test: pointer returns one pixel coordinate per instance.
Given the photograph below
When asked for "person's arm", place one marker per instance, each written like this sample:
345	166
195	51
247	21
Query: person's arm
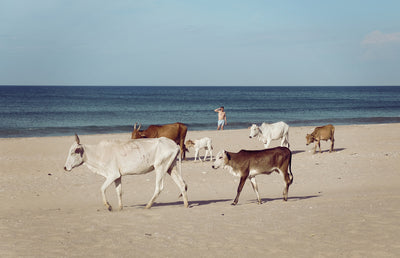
217	110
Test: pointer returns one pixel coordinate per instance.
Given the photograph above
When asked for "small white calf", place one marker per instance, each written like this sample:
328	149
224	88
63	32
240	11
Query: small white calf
205	143
114	159
268	132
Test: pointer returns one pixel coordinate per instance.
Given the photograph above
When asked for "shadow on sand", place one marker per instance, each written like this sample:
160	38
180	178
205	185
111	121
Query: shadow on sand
207	202
327	150
297	151
294	198
197	160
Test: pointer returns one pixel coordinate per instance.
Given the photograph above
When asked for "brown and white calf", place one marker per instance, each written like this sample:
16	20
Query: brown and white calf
324	133
203	143
246	164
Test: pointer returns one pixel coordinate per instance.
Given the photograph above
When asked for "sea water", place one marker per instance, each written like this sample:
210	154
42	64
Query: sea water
64	110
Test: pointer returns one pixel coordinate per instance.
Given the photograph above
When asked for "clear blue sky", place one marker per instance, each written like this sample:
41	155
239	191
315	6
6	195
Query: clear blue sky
210	42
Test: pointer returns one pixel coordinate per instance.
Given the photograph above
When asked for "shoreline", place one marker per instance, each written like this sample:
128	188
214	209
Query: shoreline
341	204
205	130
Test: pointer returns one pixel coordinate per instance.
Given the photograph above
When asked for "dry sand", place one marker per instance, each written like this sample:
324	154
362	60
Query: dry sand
341	204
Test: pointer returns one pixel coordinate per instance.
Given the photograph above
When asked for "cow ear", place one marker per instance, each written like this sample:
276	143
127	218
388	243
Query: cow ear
79	151
227	155
77	139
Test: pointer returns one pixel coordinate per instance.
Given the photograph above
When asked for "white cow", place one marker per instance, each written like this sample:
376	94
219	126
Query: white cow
205	143
268	132
114	159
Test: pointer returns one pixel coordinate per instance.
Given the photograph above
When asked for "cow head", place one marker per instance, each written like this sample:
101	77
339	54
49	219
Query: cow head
310	138
136	134
189	143
254	131
221	159
75	155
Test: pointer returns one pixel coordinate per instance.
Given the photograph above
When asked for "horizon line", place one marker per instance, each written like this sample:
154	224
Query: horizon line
103	85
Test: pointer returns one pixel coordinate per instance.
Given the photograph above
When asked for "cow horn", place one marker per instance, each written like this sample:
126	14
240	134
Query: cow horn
77	139
134	126
140	125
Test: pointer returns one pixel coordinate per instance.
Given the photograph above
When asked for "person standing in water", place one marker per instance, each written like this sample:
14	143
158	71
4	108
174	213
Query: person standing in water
221	118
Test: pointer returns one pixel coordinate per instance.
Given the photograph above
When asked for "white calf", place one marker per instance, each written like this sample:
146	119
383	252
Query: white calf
200	144
268	132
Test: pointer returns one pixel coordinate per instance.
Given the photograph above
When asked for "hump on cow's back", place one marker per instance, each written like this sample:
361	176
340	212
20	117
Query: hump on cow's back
167	141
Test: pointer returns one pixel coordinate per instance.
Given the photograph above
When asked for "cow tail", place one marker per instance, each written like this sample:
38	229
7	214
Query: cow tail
290	169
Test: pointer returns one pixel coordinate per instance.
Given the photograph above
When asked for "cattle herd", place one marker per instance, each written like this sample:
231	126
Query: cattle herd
161	148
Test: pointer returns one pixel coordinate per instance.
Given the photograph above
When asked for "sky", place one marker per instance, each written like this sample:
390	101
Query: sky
200	43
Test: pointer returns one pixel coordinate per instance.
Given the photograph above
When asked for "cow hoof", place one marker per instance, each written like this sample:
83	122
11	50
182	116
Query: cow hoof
109	208
234	203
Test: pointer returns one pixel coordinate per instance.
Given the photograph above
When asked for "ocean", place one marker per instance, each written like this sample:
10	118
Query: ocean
27	111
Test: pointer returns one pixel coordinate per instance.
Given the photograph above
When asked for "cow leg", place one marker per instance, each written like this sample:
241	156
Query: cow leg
283	142
319	145
118	189
206	154
267	144
255	188
196	153
239	190
183	149
181	185
285	191
315	147
287	140
332	143
105	185
160	173
286	187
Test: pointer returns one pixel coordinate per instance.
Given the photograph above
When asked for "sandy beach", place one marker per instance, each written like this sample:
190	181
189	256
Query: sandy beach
341	204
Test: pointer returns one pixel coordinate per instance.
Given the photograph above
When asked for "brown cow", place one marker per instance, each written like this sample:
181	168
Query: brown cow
325	133
176	132
247	164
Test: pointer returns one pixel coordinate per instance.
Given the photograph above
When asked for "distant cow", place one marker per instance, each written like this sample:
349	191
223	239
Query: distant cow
268	132
247	164
321	133
176	132
205	143
114	159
